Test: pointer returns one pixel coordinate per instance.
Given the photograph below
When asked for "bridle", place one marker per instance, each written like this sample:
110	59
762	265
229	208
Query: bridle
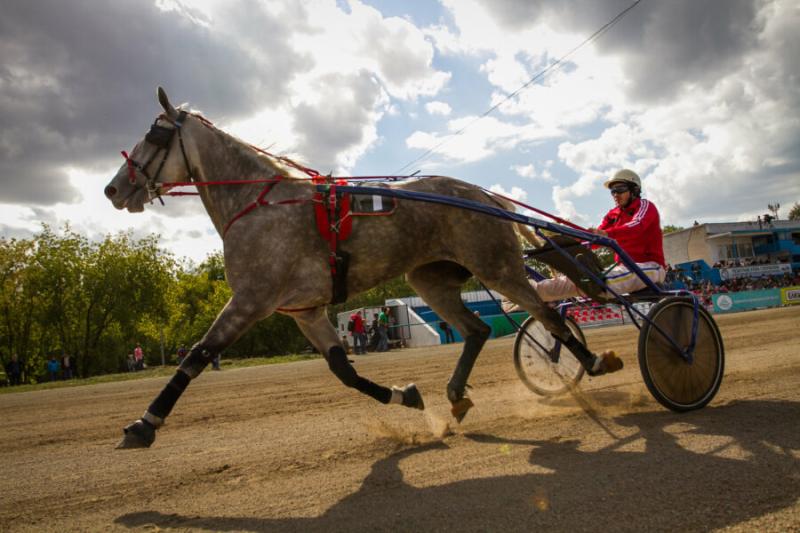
160	137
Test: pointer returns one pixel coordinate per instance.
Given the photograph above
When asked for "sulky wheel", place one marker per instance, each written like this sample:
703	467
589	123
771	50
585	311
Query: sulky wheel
675	383
543	369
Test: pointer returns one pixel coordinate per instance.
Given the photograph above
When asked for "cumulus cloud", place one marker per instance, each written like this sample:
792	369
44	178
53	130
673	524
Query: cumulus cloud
468	144
438	108
700	98
517	193
530	171
78	80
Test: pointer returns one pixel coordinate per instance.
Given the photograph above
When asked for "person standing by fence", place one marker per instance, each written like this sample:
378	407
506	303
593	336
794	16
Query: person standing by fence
53	368
383	328
358	332
14	370
448	333
67	366
138	357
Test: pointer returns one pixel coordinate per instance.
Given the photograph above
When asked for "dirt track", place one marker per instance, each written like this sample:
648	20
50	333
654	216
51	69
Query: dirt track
287	448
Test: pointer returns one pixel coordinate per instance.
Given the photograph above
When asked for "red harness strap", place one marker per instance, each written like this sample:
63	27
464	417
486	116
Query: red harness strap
261	202
333	217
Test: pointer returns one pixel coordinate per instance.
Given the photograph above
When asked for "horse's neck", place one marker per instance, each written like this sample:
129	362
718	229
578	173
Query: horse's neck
223	158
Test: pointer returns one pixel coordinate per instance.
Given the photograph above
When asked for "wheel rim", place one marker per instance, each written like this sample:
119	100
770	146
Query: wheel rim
537	368
680	382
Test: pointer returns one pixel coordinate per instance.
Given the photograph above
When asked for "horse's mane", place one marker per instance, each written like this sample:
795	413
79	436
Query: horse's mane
284	165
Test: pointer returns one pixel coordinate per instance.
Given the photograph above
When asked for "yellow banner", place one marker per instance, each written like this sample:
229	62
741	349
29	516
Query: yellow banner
790	295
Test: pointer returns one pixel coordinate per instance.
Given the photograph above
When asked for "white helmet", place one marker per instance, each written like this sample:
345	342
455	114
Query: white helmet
625	175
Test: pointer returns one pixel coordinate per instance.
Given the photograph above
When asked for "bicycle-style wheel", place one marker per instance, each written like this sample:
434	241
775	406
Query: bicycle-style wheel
546	367
675	383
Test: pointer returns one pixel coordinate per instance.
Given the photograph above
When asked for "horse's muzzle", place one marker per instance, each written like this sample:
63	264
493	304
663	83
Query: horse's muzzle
110	191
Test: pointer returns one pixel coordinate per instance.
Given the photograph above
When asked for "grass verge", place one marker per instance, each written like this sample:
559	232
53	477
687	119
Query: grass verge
156	371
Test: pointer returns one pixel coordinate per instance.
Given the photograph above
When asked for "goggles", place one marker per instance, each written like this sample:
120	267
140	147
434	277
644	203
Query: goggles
619	189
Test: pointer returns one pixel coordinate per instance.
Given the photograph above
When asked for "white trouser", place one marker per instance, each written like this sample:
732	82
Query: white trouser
619	279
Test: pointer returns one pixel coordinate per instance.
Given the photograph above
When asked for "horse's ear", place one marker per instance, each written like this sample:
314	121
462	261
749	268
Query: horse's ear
171	112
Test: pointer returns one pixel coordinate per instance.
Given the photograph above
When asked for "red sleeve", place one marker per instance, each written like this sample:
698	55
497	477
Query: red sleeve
641	224
606	223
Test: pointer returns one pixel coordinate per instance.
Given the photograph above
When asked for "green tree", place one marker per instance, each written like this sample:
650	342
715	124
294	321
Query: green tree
201	292
669	228
93	289
20	331
794	212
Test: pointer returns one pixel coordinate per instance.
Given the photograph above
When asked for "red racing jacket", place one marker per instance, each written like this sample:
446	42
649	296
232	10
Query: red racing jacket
637	229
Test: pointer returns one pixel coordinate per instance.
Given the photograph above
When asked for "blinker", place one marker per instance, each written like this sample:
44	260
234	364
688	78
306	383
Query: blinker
159	136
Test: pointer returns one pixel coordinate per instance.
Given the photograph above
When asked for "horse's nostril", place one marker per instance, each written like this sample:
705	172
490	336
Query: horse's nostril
110	191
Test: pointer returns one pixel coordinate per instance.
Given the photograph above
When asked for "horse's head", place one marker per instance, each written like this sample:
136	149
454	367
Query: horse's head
159	158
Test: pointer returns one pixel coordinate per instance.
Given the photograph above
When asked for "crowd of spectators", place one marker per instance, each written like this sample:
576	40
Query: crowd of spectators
706	289
746	261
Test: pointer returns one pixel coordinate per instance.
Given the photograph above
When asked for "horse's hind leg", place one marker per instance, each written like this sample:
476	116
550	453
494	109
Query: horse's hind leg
234	320
439	284
317	328
518	290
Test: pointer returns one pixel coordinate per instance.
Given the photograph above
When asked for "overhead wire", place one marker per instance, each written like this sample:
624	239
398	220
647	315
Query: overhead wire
596	35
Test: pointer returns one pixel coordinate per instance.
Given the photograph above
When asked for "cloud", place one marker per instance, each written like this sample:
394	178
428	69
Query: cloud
78	77
515	193
700	98
438	108
476	143
529	171
338	133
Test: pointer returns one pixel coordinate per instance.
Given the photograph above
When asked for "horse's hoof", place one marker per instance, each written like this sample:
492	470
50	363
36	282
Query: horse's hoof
460	408
140	434
412	397
606	363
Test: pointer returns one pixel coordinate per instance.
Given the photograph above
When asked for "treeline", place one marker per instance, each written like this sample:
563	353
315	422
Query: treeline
63	294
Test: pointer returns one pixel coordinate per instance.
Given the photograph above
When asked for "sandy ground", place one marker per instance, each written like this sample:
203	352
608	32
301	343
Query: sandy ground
287	448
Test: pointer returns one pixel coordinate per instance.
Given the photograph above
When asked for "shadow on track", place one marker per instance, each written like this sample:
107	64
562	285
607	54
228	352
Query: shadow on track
675	472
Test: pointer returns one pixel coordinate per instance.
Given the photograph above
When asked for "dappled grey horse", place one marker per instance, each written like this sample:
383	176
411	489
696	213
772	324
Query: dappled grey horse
277	261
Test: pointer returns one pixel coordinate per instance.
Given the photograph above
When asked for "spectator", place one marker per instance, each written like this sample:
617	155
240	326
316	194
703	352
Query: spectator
359	333
67	366
383	326
14	370
53	368
373	331
138	356
346	345
215	362
391	325
448	333
131	362
181	355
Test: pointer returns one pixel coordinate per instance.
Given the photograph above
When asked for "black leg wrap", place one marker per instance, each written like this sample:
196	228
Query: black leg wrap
580	351
341	367
165	401
458	381
196	361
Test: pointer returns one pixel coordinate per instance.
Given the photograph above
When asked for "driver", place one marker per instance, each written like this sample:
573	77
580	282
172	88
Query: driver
634	223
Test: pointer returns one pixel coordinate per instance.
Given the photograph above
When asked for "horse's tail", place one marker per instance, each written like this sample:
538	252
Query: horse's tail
524	231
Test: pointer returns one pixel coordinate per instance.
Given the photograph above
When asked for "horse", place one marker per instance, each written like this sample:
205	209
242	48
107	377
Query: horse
263	207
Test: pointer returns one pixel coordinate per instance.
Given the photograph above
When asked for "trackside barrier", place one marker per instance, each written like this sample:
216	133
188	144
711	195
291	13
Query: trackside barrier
746	300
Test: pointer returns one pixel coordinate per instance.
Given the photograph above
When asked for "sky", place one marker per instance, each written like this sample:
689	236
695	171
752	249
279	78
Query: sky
700	97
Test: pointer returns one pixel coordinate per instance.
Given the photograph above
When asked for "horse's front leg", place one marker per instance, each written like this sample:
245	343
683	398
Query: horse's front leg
230	324
317	328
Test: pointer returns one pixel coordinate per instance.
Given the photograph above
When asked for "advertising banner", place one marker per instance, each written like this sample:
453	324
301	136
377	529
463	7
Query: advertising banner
743	301
755	271
790	295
